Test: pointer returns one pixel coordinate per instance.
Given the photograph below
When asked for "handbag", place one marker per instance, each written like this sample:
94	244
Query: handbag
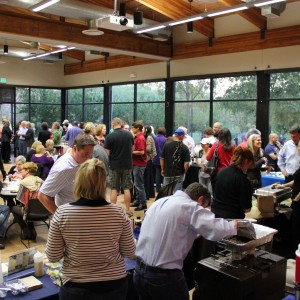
212	165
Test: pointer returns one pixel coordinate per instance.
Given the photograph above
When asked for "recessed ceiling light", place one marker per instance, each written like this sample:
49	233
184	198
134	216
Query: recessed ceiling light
92	32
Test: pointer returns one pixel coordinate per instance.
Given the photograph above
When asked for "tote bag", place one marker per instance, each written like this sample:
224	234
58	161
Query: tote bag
212	165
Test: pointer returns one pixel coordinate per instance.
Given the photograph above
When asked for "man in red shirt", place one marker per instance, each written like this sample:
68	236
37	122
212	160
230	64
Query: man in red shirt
139	163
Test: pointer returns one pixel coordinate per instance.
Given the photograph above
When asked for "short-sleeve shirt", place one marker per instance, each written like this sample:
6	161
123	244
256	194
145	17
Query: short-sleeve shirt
60	181
269	150
119	143
175	155
140	145
233	194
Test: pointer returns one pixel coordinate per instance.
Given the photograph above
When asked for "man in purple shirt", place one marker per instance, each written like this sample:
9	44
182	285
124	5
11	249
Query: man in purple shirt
71	133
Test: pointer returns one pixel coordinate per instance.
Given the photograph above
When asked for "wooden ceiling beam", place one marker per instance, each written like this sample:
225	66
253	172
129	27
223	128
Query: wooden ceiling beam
280	37
179	9
253	15
119	61
112	41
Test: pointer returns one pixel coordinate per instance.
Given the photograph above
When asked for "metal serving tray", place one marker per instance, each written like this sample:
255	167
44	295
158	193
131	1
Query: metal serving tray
264	235
278	194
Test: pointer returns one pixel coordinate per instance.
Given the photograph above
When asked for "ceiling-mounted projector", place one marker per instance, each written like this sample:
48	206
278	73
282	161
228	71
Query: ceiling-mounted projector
118	23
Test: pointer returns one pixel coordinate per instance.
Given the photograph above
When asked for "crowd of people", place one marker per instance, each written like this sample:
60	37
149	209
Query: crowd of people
138	163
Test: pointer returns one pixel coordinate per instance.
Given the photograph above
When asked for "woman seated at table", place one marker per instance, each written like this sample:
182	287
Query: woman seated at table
44	159
15	171
29	186
50	147
92	236
233	193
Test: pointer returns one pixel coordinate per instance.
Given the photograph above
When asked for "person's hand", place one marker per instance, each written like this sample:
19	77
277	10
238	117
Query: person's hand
277	186
235	223
284	173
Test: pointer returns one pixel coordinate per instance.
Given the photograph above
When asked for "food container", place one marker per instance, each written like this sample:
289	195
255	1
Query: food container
278	194
264	235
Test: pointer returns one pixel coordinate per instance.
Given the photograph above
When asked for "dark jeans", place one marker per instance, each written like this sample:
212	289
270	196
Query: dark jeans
78	293
138	175
158	178
149	181
22	147
160	286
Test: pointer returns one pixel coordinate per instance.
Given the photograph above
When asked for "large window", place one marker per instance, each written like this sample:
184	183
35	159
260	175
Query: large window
284	102
45	106
234	104
143	101
93	104
122	102
74	106
232	99
38	105
85	104
151	104
192	106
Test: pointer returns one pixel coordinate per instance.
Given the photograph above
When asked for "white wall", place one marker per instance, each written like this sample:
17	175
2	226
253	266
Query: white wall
279	58
32	73
35	73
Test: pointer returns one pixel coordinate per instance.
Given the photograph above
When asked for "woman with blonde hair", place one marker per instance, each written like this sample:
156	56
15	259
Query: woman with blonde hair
100	133
50	147
44	160
92	236
29	185
254	173
32	150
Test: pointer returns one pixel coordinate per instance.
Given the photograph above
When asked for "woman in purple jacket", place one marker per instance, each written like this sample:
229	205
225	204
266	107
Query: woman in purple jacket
43	159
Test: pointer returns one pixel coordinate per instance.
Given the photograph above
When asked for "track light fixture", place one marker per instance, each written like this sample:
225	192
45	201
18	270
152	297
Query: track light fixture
122	10
190	24
5	49
138	17
190	28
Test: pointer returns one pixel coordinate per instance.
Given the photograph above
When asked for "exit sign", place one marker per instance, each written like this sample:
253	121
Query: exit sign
2	79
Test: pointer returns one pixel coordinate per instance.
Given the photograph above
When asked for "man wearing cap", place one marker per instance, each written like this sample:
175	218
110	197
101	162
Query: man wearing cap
174	160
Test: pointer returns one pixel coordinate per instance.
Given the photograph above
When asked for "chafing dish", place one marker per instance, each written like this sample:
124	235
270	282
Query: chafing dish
264	235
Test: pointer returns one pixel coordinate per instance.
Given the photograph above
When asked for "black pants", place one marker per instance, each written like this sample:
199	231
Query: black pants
5	151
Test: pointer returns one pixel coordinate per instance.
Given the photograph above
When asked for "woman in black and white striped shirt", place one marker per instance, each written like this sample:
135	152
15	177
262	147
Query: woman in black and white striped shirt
92	236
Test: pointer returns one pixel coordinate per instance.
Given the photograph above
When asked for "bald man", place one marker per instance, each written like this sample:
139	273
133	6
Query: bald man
216	129
272	150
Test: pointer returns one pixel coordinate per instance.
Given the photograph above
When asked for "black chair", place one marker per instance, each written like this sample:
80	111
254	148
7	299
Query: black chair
36	212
